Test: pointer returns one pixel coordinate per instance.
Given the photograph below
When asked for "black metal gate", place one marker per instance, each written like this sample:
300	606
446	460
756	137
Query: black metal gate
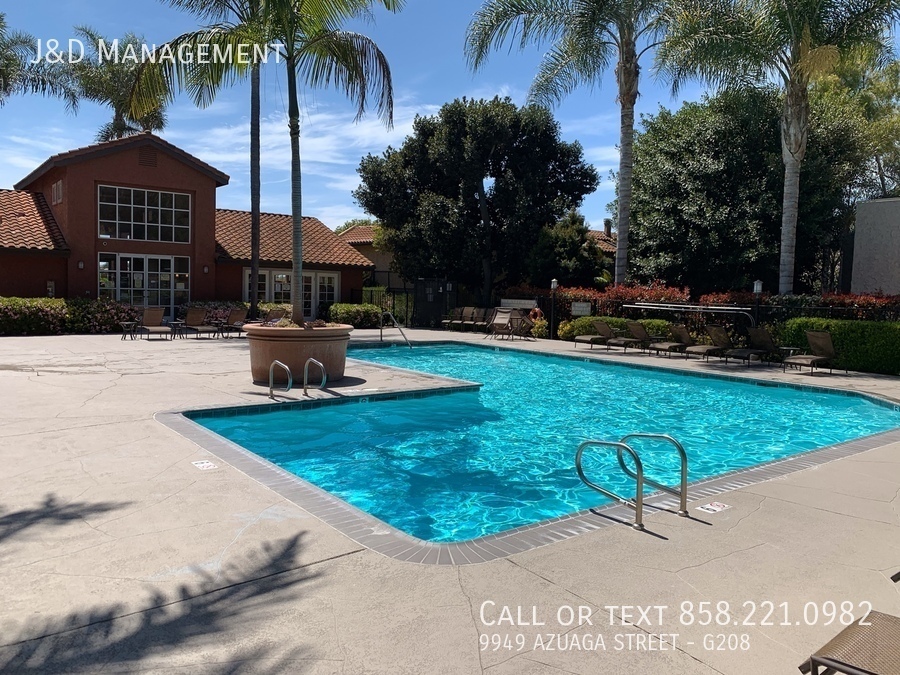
434	298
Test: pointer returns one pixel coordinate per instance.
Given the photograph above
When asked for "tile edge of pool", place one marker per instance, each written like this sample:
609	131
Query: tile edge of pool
373	533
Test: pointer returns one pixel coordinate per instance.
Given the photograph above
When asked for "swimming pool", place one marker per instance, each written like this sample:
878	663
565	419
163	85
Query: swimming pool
460	466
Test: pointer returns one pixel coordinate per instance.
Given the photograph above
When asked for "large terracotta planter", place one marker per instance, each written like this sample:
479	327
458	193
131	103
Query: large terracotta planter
293	347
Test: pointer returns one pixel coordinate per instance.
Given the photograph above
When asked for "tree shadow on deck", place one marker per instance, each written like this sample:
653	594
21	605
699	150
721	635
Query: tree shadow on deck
206	617
52	512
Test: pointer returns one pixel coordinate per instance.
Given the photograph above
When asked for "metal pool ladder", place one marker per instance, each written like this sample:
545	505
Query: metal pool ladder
396	324
290	380
306	375
638	474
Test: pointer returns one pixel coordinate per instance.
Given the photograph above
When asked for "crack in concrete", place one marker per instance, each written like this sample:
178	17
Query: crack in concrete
471	612
823	510
183	598
218	558
337	637
743	518
721	557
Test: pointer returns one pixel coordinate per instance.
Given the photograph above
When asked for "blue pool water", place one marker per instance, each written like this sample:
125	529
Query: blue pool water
458	466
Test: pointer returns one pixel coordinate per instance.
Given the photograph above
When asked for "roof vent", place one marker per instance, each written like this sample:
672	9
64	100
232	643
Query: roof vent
147	156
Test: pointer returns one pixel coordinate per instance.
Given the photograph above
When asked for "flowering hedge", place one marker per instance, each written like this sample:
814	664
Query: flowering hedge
33	316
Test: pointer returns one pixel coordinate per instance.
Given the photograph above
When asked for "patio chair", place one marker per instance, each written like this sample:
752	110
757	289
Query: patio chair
152	323
760	338
234	323
501	323
466	315
720	338
482	323
647	341
522	325
669	347
194	323
455	315
683	335
472	321
273	316
859	649
822	349
604	334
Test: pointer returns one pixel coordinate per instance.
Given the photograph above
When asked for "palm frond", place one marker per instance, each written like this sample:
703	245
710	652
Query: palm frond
352	63
568	65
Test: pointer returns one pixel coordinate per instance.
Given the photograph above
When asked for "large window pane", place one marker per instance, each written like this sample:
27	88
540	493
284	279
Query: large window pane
119	219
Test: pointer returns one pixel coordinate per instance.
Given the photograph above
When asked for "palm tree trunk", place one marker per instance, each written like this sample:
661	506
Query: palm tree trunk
627	76
794	133
255	189
296	194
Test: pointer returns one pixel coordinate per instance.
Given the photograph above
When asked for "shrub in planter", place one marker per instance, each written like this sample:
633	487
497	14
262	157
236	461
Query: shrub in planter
867	346
358	316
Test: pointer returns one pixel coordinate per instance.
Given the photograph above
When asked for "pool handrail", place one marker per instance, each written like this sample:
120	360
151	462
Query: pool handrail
681	493
638	502
290	378
306	375
396	324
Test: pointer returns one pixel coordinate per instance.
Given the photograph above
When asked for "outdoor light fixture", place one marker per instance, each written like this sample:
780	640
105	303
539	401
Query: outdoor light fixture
81	264
757	291
553	284
206	269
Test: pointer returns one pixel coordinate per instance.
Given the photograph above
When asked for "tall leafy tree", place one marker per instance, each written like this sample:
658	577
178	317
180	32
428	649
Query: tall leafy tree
317	52
111	83
708	188
588	37
19	76
728	43
468	193
566	252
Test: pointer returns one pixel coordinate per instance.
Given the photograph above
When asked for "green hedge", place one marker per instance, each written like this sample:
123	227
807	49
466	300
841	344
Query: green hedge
583	325
358	316
55	316
867	346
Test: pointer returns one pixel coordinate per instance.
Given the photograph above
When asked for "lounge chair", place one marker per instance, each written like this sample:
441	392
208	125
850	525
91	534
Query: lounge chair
194	323
152	323
870	647
501	323
669	347
822	352
466	315
647	341
625	342
234	323
720	338
455	315
683	335
604	334
522	325
761	339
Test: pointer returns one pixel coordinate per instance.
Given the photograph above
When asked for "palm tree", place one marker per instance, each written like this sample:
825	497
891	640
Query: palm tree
110	83
315	49
587	36
19	76
728	43
232	22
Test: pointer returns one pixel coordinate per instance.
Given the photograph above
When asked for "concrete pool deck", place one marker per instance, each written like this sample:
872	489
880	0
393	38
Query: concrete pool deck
120	555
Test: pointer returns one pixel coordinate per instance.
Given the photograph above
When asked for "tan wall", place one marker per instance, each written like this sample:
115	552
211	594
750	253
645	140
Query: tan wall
78	218
876	247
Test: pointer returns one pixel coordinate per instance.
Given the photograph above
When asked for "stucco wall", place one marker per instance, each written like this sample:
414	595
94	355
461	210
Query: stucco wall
876	247
26	275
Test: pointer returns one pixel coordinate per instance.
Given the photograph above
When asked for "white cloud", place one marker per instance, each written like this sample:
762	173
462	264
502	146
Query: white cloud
594	125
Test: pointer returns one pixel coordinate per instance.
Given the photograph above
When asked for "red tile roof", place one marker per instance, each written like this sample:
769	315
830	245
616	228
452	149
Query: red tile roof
26	222
358	235
109	147
606	242
321	246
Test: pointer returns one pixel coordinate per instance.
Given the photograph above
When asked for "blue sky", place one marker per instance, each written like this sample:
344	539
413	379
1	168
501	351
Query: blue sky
424	45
